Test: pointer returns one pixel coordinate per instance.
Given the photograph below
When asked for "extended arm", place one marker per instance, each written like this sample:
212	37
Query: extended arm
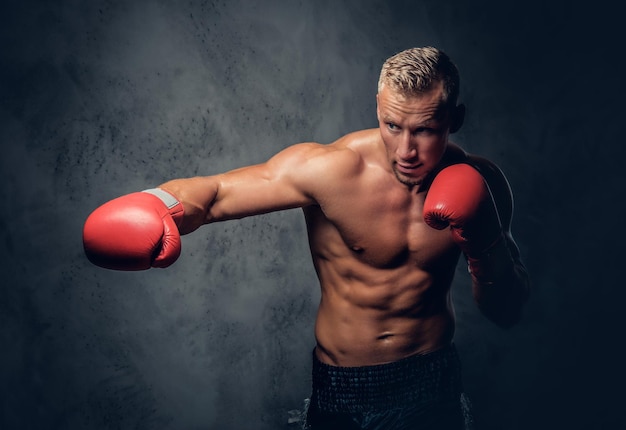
280	183
142	230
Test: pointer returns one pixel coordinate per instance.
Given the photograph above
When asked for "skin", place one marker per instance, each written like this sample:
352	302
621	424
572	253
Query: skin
385	275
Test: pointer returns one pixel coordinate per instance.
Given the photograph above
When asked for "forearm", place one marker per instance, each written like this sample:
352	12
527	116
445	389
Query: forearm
197	196
500	282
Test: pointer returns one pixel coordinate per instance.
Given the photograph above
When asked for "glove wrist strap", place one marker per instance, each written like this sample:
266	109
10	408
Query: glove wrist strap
173	205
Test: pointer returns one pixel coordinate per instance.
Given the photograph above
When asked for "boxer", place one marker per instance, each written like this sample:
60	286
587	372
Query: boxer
389	211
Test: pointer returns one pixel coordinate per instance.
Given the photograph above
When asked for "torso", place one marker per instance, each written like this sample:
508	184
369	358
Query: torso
385	275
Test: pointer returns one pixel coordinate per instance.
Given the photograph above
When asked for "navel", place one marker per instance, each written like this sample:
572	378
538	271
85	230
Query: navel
385	336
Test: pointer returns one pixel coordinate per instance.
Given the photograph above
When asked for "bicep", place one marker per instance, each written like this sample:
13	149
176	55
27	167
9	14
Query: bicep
280	183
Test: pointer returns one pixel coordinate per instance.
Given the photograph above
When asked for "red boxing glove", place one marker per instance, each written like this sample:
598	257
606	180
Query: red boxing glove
134	232
460	198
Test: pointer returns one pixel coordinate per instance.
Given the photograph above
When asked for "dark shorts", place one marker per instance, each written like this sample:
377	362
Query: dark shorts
418	392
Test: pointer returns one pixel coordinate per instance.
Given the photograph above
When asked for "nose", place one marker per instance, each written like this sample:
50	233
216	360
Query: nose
407	149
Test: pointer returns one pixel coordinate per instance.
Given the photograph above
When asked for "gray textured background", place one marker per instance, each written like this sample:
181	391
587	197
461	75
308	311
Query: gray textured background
101	98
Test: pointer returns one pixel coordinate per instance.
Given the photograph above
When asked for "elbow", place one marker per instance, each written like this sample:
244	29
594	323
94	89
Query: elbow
503	306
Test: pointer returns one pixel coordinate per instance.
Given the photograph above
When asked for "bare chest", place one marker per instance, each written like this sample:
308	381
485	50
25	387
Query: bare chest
379	226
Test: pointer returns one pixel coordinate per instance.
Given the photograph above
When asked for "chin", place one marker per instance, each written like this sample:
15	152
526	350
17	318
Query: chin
408	180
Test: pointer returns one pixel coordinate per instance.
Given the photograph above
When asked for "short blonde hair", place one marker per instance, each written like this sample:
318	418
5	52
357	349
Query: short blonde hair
414	71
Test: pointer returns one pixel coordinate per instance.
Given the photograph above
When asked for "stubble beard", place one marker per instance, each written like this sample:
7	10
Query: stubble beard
409	182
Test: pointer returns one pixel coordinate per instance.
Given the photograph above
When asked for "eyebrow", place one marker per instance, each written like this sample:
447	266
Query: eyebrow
427	123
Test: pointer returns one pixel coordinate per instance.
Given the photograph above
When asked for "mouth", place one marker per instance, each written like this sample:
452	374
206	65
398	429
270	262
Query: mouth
408	169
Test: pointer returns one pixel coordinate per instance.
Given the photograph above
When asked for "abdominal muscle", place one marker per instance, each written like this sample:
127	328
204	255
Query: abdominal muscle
360	324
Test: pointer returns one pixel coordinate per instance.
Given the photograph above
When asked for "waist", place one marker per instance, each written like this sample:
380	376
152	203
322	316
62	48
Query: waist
365	340
421	378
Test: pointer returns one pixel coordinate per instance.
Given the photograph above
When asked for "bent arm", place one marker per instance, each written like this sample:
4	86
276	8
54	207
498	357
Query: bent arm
283	182
474	199
500	282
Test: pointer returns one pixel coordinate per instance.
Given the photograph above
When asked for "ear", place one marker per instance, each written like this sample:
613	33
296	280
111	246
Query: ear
377	108
457	118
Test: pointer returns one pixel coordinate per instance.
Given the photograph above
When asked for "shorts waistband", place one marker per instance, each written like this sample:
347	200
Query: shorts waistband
421	378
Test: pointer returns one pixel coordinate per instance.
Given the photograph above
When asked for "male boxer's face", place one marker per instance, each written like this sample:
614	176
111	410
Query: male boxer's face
415	132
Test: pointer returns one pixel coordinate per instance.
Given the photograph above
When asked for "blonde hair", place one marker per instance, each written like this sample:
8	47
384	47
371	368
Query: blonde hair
414	71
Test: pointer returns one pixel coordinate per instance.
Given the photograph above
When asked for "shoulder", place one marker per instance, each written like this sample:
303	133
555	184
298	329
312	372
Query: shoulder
489	170
363	142
493	175
363	147
315	168
498	186
346	155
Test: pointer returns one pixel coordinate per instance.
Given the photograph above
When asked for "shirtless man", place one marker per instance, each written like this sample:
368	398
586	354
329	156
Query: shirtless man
389	211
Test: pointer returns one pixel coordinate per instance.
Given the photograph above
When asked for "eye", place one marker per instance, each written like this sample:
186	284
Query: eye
425	131
391	126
